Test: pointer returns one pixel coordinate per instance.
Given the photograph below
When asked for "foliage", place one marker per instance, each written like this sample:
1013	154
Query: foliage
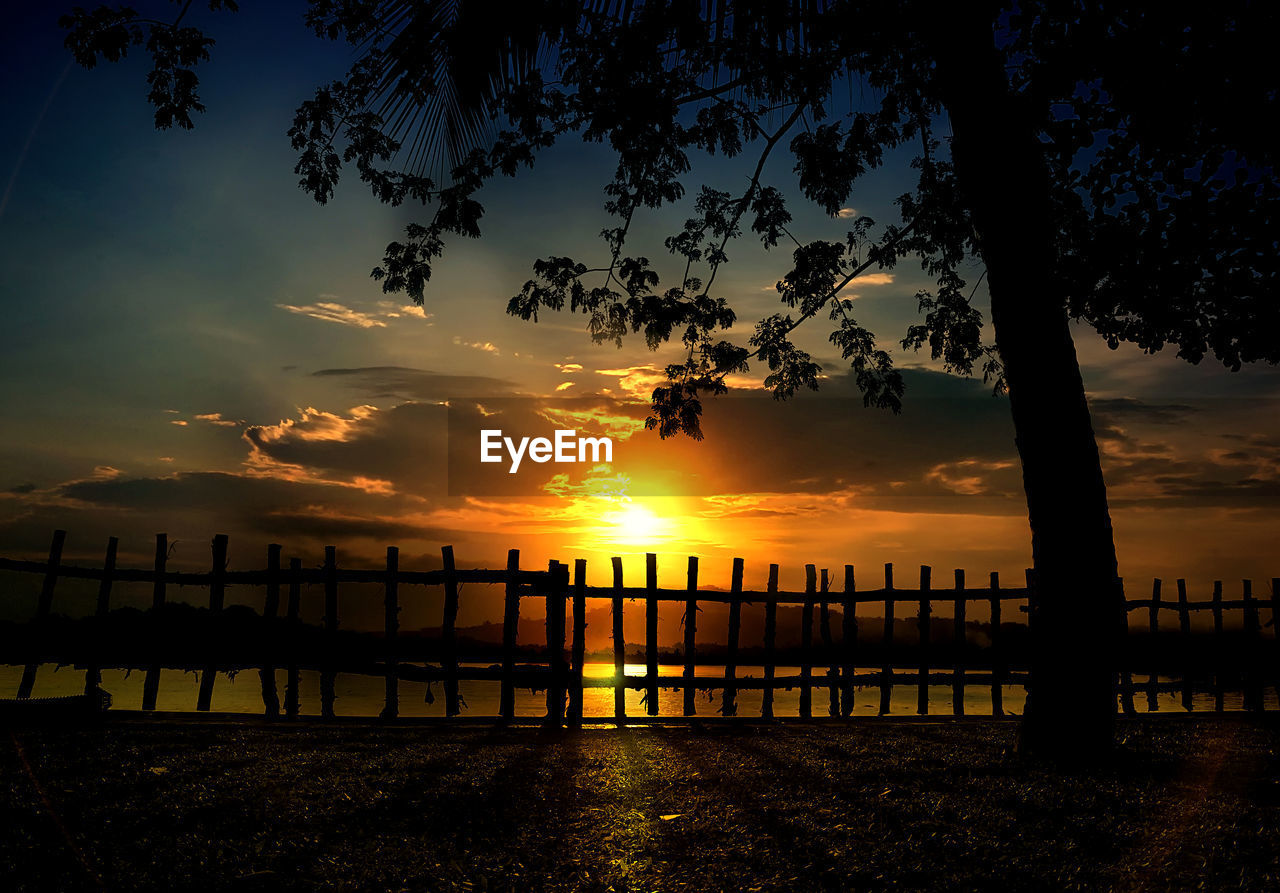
1164	192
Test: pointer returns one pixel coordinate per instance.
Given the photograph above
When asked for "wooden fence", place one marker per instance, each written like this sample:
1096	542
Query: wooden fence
565	597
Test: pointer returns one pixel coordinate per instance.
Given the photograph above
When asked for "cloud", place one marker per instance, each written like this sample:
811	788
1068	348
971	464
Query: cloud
846	213
1112	409
968	477
866	280
313	424
331	311
392	310
215	418
636	382
406	383
565	385
486	346
181	423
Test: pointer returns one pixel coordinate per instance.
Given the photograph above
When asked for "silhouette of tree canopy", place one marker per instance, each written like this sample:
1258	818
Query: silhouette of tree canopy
1106	164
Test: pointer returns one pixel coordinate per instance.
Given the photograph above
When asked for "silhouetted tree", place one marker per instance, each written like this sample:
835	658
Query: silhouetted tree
1105	164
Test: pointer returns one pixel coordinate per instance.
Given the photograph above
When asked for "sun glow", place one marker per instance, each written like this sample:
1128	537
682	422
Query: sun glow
635	525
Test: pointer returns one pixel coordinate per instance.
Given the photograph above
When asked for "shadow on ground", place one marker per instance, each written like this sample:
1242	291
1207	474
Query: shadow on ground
230	806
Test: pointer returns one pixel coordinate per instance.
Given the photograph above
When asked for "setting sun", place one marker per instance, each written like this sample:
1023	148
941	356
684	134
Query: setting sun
634	525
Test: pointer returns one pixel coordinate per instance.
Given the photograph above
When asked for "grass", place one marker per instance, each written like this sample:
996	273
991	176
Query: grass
243	806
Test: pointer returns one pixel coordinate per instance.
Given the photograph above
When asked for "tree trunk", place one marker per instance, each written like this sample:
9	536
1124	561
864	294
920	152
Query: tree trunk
1001	171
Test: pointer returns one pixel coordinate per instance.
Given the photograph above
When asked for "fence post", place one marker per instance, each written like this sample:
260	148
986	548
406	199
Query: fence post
770	642
690	632
151	684
328	672
579	640
806	641
1219	685
391	628
270	613
958	644
292	623
848	641
43	607
619	647
93	672
510	626
217	595
997	659
651	633
886	670
1184	633
555	645
729	701
923	617
1153	630
824	629
449	633
1252	634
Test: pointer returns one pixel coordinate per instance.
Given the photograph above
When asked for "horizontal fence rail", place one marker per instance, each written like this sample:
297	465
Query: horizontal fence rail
942	653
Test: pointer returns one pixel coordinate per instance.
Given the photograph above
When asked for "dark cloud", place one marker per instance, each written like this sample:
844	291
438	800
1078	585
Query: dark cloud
1191	492
1111	409
406	383
339	528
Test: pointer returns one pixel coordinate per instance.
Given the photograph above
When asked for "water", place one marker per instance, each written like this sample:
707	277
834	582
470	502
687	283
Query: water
363	695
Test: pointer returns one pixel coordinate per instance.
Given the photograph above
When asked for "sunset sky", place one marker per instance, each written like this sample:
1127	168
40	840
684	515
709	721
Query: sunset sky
192	345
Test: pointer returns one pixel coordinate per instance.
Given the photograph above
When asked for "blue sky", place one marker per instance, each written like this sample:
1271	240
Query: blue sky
155	278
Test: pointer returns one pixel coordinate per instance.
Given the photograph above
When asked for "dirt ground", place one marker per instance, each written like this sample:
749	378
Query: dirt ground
208	805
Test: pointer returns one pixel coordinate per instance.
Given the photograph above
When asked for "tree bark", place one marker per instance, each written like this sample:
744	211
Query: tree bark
1001	171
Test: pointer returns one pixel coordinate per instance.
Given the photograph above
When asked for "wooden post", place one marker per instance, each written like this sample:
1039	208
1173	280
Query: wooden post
43	607
848	641
770	642
292	623
151	684
328	672
806	641
217	597
619	647
93	672
958	643
833	667
651	634
510	626
391	631
1252	644
1153	630
1184	633
555	646
886	670
729	700
579	640
1218	682
997	659
449	633
270	613
922	622
690	633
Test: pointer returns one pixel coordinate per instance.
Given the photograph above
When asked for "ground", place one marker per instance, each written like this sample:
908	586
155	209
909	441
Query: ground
157	805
